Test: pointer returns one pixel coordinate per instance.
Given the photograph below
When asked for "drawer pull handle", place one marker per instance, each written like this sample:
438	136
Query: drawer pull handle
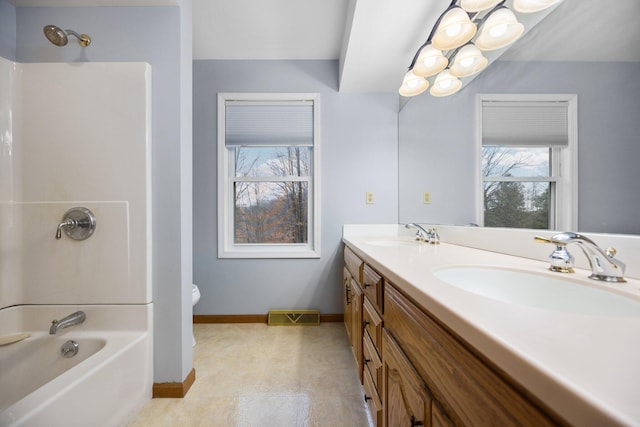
415	422
366	285
367	398
365	323
366	360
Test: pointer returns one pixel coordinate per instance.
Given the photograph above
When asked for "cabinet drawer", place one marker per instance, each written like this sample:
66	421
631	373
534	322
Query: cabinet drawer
372	323
353	263
372	362
471	391
372	399
372	284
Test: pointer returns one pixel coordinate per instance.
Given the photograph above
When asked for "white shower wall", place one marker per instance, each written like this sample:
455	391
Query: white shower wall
75	134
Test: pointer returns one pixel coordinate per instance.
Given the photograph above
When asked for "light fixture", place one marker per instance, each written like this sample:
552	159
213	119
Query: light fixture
500	29
413	85
468	61
445	84
454	29
430	62
454	47
478	5
530	6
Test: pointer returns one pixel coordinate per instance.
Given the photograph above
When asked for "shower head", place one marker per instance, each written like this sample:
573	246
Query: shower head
59	37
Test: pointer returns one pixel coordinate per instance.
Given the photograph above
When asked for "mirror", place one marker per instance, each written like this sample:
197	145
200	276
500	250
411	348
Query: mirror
437	143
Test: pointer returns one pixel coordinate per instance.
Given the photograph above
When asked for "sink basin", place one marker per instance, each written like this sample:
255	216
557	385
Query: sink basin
536	290
394	243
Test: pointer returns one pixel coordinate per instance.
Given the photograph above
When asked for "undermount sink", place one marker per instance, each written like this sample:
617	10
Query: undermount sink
394	243
537	290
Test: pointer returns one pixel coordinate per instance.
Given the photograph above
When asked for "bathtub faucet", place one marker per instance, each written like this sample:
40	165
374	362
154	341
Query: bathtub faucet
72	319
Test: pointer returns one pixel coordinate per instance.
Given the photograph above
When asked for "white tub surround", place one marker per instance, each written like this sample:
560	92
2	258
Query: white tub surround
76	135
583	367
108	381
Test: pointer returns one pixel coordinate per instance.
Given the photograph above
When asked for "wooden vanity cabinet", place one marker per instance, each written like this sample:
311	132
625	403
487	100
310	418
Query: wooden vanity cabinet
363	320
415	371
467	389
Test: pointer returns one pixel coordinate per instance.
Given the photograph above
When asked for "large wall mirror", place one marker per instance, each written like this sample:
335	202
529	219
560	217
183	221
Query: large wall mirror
439	155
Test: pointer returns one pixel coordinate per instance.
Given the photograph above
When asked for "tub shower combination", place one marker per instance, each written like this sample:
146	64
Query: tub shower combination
76	309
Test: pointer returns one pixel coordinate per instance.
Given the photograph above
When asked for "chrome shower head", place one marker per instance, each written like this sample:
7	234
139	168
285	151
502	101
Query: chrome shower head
59	37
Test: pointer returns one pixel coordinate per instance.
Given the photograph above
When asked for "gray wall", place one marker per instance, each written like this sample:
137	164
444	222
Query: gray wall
359	154
7	30
153	35
437	142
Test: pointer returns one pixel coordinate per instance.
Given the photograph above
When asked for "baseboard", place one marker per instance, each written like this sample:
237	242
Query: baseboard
253	318
174	390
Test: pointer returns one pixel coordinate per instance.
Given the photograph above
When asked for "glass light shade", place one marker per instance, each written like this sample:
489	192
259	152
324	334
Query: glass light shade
530	6
500	29
478	5
454	30
445	84
468	61
413	85
430	62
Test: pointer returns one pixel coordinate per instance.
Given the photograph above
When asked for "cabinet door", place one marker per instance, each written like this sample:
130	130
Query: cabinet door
356	323
346	303
406	400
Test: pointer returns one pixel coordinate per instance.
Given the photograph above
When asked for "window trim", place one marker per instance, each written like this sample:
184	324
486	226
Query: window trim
566	188
226	247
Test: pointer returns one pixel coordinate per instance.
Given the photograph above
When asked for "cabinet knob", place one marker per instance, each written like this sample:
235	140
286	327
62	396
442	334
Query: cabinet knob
415	422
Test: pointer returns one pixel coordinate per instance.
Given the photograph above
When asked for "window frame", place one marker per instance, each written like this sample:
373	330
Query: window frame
564	161
227	248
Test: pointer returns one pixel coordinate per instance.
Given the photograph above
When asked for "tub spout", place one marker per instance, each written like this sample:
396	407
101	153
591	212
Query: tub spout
72	319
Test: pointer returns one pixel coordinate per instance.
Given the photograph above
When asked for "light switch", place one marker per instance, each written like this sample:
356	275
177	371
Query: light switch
426	198
369	198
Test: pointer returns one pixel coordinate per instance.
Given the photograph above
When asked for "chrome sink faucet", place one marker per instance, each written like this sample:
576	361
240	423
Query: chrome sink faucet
604	266
430	236
70	320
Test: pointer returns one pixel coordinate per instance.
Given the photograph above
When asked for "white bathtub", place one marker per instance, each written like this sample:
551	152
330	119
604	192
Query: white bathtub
105	384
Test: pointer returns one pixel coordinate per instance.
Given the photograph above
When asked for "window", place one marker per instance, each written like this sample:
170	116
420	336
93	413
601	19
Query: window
528	161
268	175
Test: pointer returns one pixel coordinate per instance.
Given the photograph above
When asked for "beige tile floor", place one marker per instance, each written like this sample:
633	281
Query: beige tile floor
254	375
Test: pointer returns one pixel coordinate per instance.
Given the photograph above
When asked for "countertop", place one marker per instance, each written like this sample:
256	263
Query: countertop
586	368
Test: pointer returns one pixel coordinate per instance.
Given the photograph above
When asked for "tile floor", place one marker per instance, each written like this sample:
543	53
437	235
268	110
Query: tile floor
254	375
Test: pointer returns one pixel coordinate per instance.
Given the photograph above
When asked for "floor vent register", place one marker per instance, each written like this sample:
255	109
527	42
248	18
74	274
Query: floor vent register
294	317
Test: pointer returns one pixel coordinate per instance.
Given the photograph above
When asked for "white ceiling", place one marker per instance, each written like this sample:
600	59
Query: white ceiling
375	40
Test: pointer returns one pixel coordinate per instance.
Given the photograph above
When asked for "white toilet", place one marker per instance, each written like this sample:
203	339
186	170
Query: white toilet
195	297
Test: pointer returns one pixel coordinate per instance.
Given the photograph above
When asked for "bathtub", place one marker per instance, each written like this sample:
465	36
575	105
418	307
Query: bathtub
105	383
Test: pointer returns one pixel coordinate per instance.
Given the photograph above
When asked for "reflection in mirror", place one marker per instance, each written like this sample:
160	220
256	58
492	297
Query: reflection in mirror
438	144
527	161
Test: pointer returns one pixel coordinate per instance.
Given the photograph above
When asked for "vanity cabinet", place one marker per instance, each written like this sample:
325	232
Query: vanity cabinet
467	388
415	371
363	321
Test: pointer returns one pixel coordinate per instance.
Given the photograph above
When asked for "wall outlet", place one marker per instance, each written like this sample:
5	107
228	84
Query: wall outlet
426	198
369	198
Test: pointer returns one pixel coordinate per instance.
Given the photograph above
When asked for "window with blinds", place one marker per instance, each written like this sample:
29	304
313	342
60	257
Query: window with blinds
268	175
526	145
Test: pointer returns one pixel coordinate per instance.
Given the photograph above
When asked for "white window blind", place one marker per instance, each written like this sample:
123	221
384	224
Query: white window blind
527	124
269	123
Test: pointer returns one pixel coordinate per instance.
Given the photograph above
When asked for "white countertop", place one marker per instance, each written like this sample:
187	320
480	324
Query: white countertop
586	368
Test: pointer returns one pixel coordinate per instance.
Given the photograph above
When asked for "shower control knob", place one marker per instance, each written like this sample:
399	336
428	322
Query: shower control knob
77	223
